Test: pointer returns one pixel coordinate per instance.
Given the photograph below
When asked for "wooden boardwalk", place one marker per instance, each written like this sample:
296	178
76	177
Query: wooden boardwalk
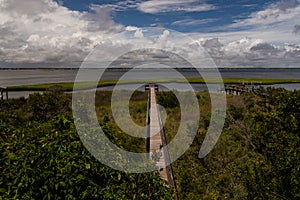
156	135
156	140
241	87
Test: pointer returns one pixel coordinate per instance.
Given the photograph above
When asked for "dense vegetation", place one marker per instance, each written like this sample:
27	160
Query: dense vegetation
42	156
256	157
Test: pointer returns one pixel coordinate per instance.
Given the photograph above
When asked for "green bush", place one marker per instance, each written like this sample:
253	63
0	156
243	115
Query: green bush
167	99
42	157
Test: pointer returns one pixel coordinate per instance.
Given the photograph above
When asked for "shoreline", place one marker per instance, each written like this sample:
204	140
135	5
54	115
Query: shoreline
182	68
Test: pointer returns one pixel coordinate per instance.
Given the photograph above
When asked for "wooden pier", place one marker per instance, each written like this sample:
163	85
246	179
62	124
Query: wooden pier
238	89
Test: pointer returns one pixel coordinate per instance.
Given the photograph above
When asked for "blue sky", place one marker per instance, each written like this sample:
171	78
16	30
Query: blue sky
224	12
235	33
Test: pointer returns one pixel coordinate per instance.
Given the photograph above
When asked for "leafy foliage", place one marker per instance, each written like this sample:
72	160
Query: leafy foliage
42	157
276	137
257	155
167	99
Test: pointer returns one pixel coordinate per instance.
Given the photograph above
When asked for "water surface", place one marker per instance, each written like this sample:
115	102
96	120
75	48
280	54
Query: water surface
39	76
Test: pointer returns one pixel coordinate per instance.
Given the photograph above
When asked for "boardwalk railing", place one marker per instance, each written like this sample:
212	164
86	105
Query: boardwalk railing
169	169
147	143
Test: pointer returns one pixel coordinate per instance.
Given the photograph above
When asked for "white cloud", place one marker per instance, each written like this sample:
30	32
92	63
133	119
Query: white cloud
192	22
139	33
233	51
159	6
44	31
277	24
164	35
276	13
250	52
122	5
241	46
131	28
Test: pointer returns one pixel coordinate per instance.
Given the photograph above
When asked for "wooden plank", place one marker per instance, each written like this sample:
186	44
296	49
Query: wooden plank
156	138
155	135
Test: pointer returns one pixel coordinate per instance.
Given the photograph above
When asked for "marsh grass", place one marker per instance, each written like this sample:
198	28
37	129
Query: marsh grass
69	86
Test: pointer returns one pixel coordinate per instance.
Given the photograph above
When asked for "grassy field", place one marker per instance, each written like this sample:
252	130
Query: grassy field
68	86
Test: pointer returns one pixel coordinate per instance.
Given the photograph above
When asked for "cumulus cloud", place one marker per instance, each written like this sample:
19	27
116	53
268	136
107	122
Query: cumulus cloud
213	47
244	52
241	46
43	31
249	52
139	33
35	31
275	24
131	28
164	35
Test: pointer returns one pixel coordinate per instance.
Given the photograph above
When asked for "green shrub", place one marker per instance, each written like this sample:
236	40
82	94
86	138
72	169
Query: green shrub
42	157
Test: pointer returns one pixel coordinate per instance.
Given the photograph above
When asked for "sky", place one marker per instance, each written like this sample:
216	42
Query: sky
235	33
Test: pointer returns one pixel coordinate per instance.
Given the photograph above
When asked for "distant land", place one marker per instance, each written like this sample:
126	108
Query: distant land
126	68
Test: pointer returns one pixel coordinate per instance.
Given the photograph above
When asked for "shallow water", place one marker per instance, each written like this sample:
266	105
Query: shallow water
39	76
166	86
